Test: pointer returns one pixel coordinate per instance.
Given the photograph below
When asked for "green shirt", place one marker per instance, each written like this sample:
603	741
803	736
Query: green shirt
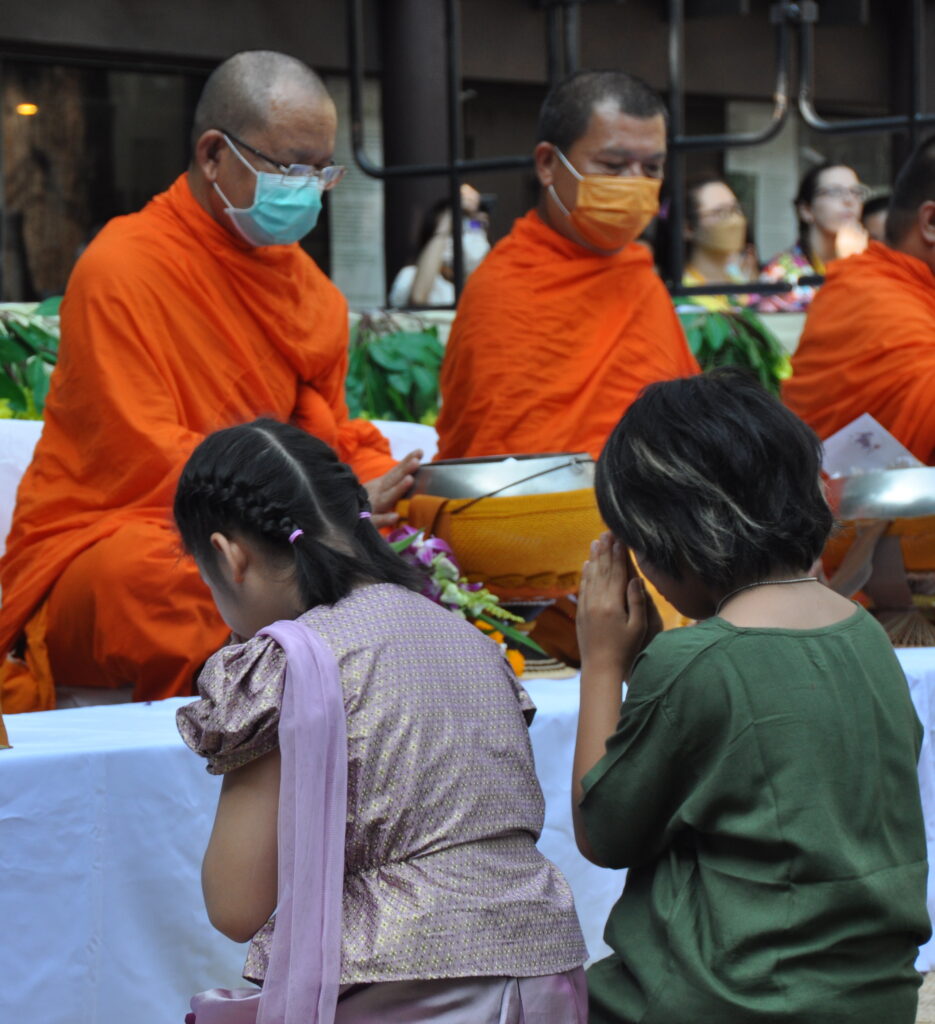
761	786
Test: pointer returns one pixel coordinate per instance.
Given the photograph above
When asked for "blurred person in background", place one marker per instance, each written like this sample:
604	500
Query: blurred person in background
430	280
873	217
869	338
828	207
716	239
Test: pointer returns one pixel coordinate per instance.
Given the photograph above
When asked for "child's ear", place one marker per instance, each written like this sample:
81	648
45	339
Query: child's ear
233	557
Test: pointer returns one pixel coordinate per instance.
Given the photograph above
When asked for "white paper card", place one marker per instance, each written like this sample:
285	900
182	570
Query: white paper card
864	447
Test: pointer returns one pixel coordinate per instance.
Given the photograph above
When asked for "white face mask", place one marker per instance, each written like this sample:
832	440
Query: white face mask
474	246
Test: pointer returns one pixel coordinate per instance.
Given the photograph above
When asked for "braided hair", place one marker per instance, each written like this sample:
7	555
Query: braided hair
268	481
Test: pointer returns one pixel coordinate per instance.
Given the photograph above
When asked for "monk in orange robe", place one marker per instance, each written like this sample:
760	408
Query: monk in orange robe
198	312
566	320
869	339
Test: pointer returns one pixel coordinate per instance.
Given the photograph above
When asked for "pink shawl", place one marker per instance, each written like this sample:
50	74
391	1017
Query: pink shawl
301	985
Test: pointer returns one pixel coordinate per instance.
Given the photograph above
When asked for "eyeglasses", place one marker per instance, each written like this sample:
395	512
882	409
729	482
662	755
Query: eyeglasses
328	176
859	193
725	212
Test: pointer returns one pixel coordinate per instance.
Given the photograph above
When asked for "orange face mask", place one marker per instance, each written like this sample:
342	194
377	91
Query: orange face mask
723	236
610	210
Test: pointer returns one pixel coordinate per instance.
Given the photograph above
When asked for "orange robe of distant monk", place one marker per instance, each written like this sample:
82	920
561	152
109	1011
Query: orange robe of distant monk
551	344
171	328
869	346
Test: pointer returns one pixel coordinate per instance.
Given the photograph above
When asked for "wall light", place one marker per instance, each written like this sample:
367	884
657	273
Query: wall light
27	109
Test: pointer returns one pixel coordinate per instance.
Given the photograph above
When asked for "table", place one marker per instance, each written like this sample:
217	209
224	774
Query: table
104	815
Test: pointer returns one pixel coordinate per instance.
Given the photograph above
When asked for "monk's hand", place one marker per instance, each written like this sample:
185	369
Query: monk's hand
616	618
385	491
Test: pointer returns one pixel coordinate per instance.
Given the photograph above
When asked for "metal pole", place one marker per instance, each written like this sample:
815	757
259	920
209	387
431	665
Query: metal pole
676	172
4	209
552	44
862	125
572	35
780	113
455	133
917	72
355	51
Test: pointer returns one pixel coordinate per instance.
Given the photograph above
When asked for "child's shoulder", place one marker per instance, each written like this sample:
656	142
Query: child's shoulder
388	612
673	653
236	717
684	664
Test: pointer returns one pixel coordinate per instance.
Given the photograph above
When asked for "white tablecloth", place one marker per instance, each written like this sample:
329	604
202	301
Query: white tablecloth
104	816
17	440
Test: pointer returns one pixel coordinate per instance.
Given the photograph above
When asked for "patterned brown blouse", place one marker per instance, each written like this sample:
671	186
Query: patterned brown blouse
442	875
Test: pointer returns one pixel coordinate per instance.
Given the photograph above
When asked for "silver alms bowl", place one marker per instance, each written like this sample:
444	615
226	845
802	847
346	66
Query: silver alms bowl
505	476
885	494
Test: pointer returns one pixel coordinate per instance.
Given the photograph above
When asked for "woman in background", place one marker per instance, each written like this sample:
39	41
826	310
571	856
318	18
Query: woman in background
430	280
828	207
716	239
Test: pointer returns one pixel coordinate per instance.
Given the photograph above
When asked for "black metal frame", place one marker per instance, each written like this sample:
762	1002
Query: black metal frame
785	15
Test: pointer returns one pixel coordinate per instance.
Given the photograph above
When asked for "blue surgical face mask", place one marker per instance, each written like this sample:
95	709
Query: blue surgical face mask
284	209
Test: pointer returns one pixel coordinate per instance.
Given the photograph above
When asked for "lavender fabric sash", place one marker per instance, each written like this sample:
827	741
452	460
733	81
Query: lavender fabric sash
302	982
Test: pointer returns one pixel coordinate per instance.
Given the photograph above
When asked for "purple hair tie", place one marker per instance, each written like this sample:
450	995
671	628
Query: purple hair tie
364	515
294	536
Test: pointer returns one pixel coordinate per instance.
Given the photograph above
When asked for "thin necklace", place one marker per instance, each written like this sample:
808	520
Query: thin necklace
760	583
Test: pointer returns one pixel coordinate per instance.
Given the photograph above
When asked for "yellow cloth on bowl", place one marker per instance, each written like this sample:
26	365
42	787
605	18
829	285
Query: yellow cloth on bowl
521	547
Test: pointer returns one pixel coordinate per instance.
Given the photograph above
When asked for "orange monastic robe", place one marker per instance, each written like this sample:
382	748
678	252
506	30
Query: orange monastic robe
171	328
869	346
551	344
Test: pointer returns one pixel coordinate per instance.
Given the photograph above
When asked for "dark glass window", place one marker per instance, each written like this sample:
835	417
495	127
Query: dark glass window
101	142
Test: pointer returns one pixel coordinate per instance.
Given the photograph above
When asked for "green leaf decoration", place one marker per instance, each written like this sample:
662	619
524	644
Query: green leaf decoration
37	379
11	351
28	351
49	306
392	372
399	546
15	395
32	336
388	356
737	338
514	634
426	384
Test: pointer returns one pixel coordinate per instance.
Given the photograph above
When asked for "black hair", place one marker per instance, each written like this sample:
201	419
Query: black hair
808	186
711	474
429	224
875	205
265	480
914	184
691	197
567	108
430	220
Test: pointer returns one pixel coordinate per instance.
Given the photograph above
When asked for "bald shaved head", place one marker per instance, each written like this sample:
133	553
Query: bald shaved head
240	92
